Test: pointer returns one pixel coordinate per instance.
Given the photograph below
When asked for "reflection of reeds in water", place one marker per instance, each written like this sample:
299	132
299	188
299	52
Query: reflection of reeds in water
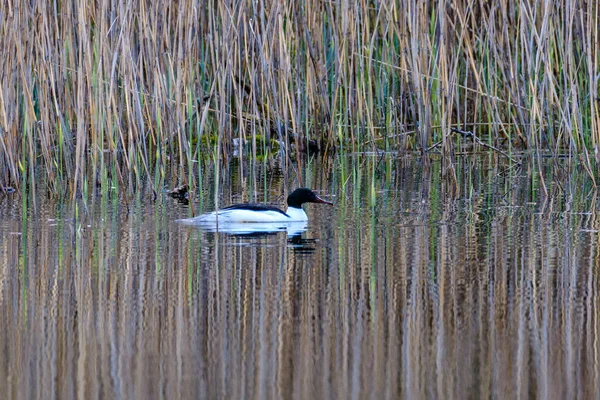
416	296
111	93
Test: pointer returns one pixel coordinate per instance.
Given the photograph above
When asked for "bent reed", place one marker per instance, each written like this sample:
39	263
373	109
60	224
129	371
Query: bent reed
113	92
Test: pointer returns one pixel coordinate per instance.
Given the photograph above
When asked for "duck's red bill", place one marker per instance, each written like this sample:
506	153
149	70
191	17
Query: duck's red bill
320	200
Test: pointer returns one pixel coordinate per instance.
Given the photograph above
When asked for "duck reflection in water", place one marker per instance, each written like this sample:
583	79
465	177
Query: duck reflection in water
258	231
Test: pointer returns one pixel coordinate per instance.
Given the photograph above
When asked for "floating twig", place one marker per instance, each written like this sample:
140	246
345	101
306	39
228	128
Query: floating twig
433	146
470	134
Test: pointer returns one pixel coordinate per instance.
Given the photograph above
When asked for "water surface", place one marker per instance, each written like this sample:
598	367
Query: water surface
406	288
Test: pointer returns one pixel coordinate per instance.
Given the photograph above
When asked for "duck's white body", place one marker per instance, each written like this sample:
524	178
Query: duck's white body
242	215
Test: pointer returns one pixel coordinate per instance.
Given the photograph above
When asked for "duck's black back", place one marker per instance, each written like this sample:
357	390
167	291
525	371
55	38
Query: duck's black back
254	207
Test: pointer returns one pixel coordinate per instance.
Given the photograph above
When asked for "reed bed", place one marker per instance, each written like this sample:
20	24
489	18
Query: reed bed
111	93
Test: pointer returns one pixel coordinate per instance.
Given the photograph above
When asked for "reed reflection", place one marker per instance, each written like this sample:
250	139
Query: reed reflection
400	291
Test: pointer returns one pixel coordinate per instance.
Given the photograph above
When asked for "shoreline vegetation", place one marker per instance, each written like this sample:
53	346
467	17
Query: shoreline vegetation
94	94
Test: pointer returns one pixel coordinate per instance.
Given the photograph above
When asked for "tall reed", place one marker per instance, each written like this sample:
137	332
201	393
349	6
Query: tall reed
109	92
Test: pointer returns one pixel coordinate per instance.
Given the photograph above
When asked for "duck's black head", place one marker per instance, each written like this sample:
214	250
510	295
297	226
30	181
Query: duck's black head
304	195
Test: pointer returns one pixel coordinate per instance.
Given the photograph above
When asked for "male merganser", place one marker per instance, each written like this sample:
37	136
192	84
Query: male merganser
249	212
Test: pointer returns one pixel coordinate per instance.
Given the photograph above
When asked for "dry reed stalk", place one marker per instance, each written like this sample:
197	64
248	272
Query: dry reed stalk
117	89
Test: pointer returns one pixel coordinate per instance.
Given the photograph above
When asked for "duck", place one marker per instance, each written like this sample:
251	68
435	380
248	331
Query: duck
262	213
